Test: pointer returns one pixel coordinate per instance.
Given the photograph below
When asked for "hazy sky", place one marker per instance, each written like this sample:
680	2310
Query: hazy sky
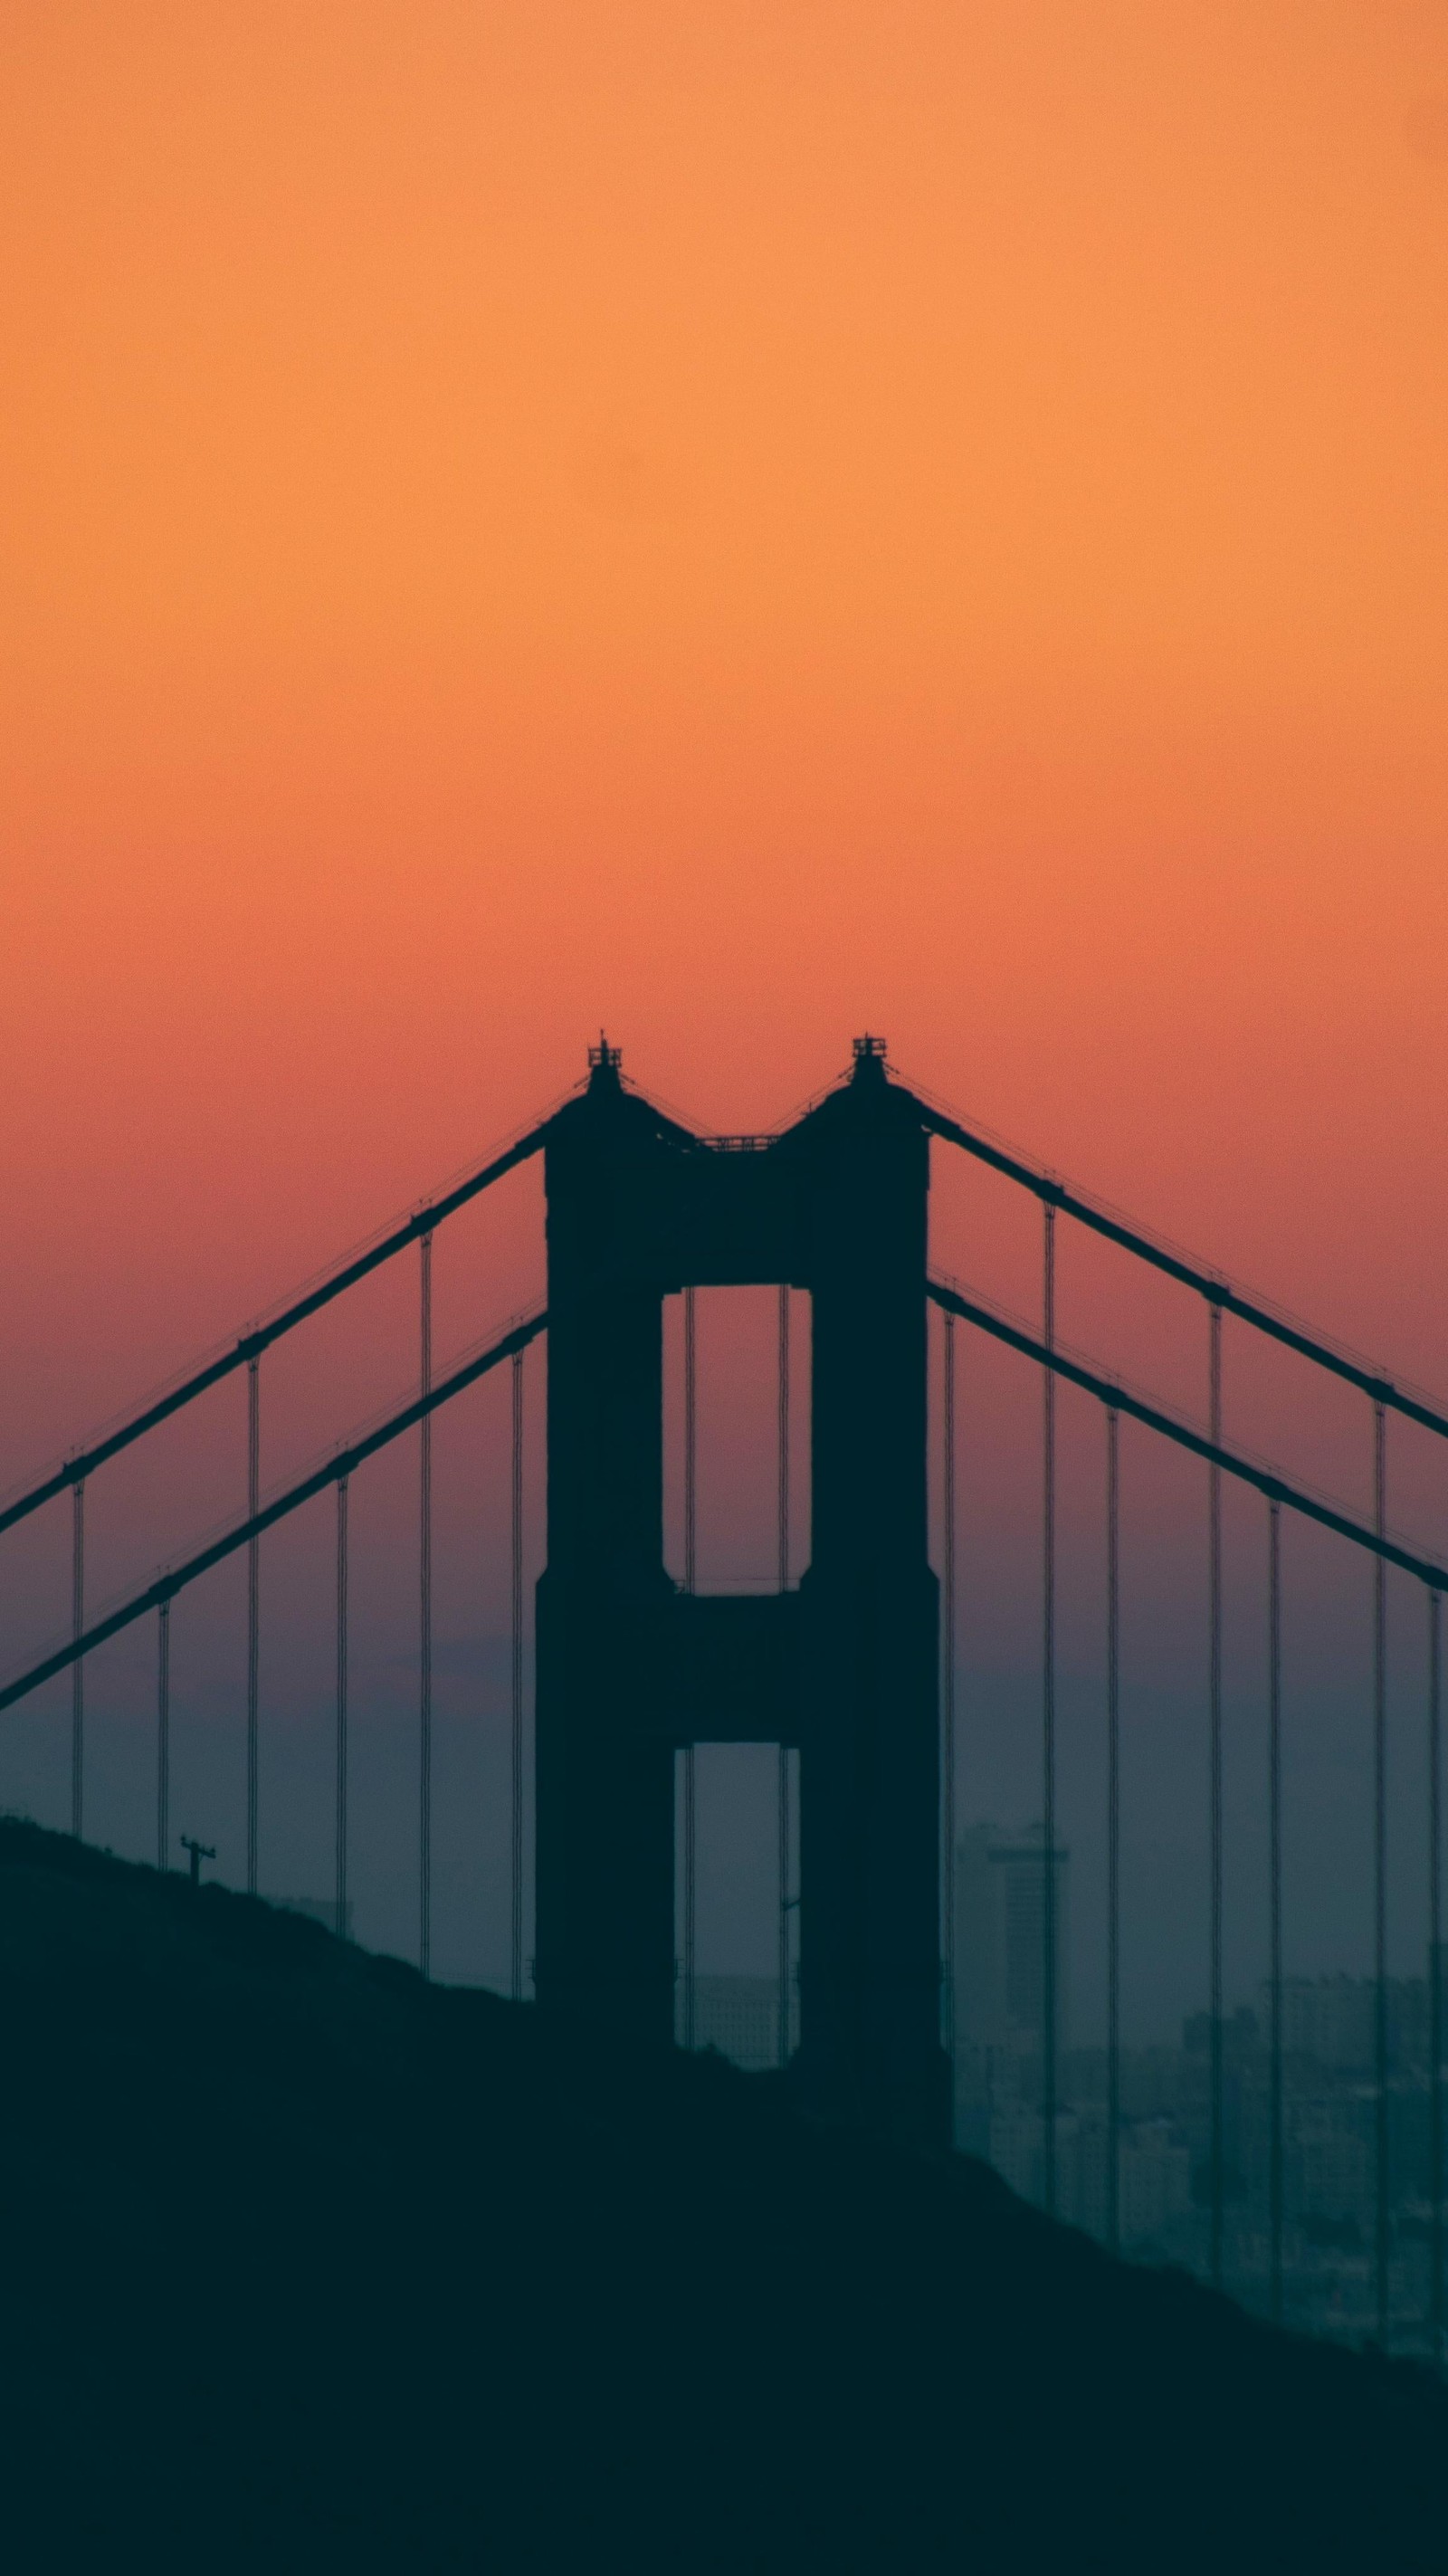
736	524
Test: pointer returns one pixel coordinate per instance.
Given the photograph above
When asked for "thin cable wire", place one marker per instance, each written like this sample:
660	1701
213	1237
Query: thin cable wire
515	1845
1274	1929
1113	1829
782	2029
280	1508
253	1615
1380	1876
77	1670
690	1573
691	1438
271	1329
163	1735
1174	1265
1048	1719
425	1623
1135	1408
342	1708
1214	1621
947	1690
1436	2177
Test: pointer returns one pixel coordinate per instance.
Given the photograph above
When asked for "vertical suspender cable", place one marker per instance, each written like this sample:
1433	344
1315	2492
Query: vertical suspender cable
77	1670
515	1841
163	1735
1274	1927
691	1439
782	2032
341	1708
947	1691
1214	1765
690	1573
424	1558
253	1612
1113	1829
1435	1984
1380	1872
1048	1720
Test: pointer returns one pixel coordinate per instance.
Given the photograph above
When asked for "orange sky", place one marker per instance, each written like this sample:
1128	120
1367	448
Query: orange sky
740	523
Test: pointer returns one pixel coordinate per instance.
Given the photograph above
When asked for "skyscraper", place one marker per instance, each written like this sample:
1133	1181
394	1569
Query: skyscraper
1000	1939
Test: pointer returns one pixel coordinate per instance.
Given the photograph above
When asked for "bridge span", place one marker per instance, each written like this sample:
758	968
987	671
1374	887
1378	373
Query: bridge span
848	1670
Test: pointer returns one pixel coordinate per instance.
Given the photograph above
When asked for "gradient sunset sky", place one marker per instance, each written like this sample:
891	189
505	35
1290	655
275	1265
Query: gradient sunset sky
738	524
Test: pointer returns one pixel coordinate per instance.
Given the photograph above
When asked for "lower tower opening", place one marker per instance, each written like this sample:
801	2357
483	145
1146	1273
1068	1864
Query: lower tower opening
737	1947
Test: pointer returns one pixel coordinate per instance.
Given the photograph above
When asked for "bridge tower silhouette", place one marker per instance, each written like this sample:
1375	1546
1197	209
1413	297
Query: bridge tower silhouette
631	1668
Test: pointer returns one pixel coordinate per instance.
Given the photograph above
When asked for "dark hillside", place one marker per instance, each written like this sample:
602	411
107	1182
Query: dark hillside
308	2264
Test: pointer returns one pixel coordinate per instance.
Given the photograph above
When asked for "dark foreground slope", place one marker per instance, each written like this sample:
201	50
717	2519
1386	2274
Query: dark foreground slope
309	2265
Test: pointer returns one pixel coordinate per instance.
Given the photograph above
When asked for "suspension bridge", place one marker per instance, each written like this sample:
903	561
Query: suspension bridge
848	1666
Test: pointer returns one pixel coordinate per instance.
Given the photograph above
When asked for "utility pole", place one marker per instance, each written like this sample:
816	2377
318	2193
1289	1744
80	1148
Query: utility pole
199	1852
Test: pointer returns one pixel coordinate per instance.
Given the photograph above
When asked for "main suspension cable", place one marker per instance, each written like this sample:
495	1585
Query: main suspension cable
178	1577
1188	1274
261	1336
1110	1391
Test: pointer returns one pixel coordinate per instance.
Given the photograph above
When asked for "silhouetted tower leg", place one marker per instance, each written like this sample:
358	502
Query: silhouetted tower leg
605	1811
869	1786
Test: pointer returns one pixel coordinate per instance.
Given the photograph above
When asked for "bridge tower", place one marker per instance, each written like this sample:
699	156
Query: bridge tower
630	1668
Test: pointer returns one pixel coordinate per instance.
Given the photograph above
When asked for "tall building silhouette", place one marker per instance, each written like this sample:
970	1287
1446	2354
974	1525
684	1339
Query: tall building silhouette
1000	1940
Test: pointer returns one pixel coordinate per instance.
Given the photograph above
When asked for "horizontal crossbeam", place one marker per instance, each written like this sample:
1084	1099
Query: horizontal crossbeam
1108	1392
252	1344
1205	1283
166	1586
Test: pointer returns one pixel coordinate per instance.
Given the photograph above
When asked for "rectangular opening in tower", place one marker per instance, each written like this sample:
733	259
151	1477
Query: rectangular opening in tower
740	1967
751	1422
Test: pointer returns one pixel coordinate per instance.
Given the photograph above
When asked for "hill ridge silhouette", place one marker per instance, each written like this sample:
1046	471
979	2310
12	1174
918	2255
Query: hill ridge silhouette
312	2263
